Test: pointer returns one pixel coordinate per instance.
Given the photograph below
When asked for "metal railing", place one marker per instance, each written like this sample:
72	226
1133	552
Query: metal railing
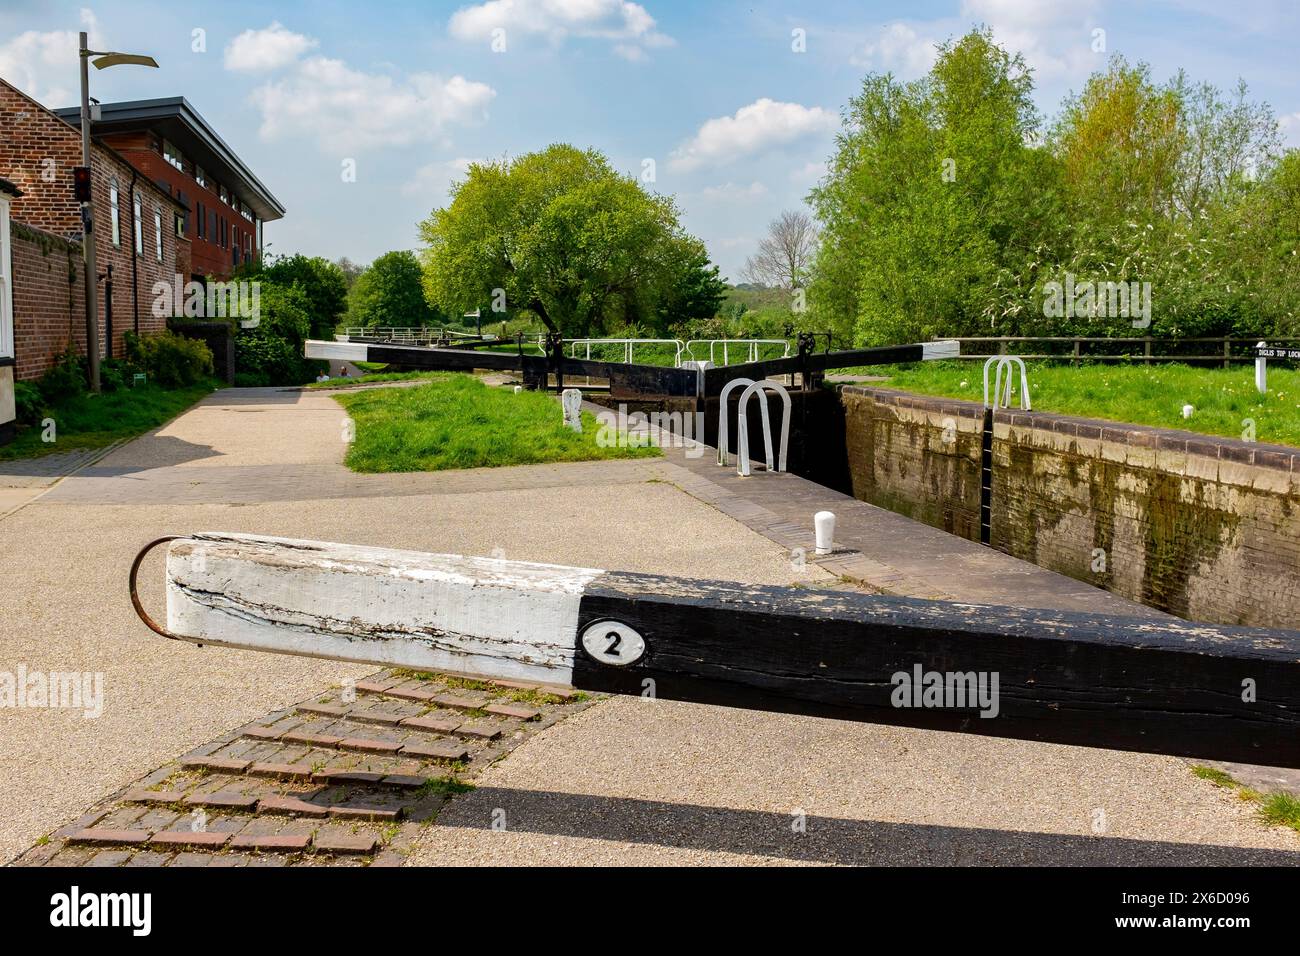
1002	394
628	345
1224	350
411	335
751	347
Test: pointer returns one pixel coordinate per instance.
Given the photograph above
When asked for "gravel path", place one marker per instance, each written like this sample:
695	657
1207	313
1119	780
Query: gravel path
640	782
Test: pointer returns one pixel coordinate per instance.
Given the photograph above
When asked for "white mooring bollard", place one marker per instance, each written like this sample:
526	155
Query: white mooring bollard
1188	411
1261	370
824	523
518	389
571	400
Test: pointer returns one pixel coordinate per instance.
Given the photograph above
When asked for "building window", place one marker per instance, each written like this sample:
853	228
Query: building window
157	232
180	225
173	155
113	213
199	176
6	293
225	196
213	235
139	227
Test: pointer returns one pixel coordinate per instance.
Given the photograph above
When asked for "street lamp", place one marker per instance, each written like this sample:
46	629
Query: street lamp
103	61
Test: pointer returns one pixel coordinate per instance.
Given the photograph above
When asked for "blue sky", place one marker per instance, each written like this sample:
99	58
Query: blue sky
737	122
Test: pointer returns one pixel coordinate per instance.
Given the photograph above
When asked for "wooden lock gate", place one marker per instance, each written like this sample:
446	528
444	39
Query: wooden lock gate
1154	686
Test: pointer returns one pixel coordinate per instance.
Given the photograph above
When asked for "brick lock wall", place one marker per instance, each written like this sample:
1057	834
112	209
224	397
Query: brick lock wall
916	455
37	153
1198	526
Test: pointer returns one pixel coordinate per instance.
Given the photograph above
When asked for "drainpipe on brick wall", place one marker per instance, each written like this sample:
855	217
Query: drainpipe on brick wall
135	257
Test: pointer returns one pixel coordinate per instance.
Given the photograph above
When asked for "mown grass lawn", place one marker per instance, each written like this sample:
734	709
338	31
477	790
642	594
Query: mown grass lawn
1223	399
455	421
93	421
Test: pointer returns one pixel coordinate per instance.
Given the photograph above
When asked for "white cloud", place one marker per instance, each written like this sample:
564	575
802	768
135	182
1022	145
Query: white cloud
810	173
1290	126
898	48
760	126
627	24
731	192
256	51
1055	39
45	65
345	109
433	180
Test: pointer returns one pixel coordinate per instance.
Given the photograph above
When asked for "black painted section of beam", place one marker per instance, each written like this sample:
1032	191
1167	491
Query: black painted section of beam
647	382
716	378
1112	682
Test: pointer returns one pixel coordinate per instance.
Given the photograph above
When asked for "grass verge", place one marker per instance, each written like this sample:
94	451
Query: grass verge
1277	809
93	421
455	421
1225	401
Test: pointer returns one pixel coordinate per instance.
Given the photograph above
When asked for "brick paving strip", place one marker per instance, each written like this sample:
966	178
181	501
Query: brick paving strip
337	780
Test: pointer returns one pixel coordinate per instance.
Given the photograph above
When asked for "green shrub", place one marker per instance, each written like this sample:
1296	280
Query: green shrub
171	360
271	353
114	374
66	379
28	403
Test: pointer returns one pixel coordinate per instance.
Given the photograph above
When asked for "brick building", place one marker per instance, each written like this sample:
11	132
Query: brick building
134	228
168	141
169	198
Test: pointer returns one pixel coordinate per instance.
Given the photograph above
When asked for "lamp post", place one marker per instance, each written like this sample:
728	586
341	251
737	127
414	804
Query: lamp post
103	61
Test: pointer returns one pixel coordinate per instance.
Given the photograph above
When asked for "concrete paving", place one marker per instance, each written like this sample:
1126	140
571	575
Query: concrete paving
268	461
626	781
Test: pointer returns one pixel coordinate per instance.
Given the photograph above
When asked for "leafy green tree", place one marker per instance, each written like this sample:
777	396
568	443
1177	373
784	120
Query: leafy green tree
694	288
1155	175
271	353
321	281
933	200
560	234
390	294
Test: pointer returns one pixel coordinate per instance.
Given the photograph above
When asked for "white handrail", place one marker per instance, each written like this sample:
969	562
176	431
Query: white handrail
1001	397
742	440
724	449
628	346
752	346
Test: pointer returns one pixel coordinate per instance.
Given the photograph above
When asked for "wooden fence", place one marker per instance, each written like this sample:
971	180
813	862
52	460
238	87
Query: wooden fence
1223	350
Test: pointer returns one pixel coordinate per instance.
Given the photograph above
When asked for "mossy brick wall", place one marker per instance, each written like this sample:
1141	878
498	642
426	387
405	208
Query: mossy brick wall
1206	528
916	455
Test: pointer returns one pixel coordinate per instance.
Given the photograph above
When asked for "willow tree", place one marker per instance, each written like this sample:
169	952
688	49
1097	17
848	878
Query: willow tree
559	233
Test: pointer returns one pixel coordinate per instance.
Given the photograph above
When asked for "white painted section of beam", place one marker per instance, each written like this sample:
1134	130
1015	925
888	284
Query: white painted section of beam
948	348
340	351
475	616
